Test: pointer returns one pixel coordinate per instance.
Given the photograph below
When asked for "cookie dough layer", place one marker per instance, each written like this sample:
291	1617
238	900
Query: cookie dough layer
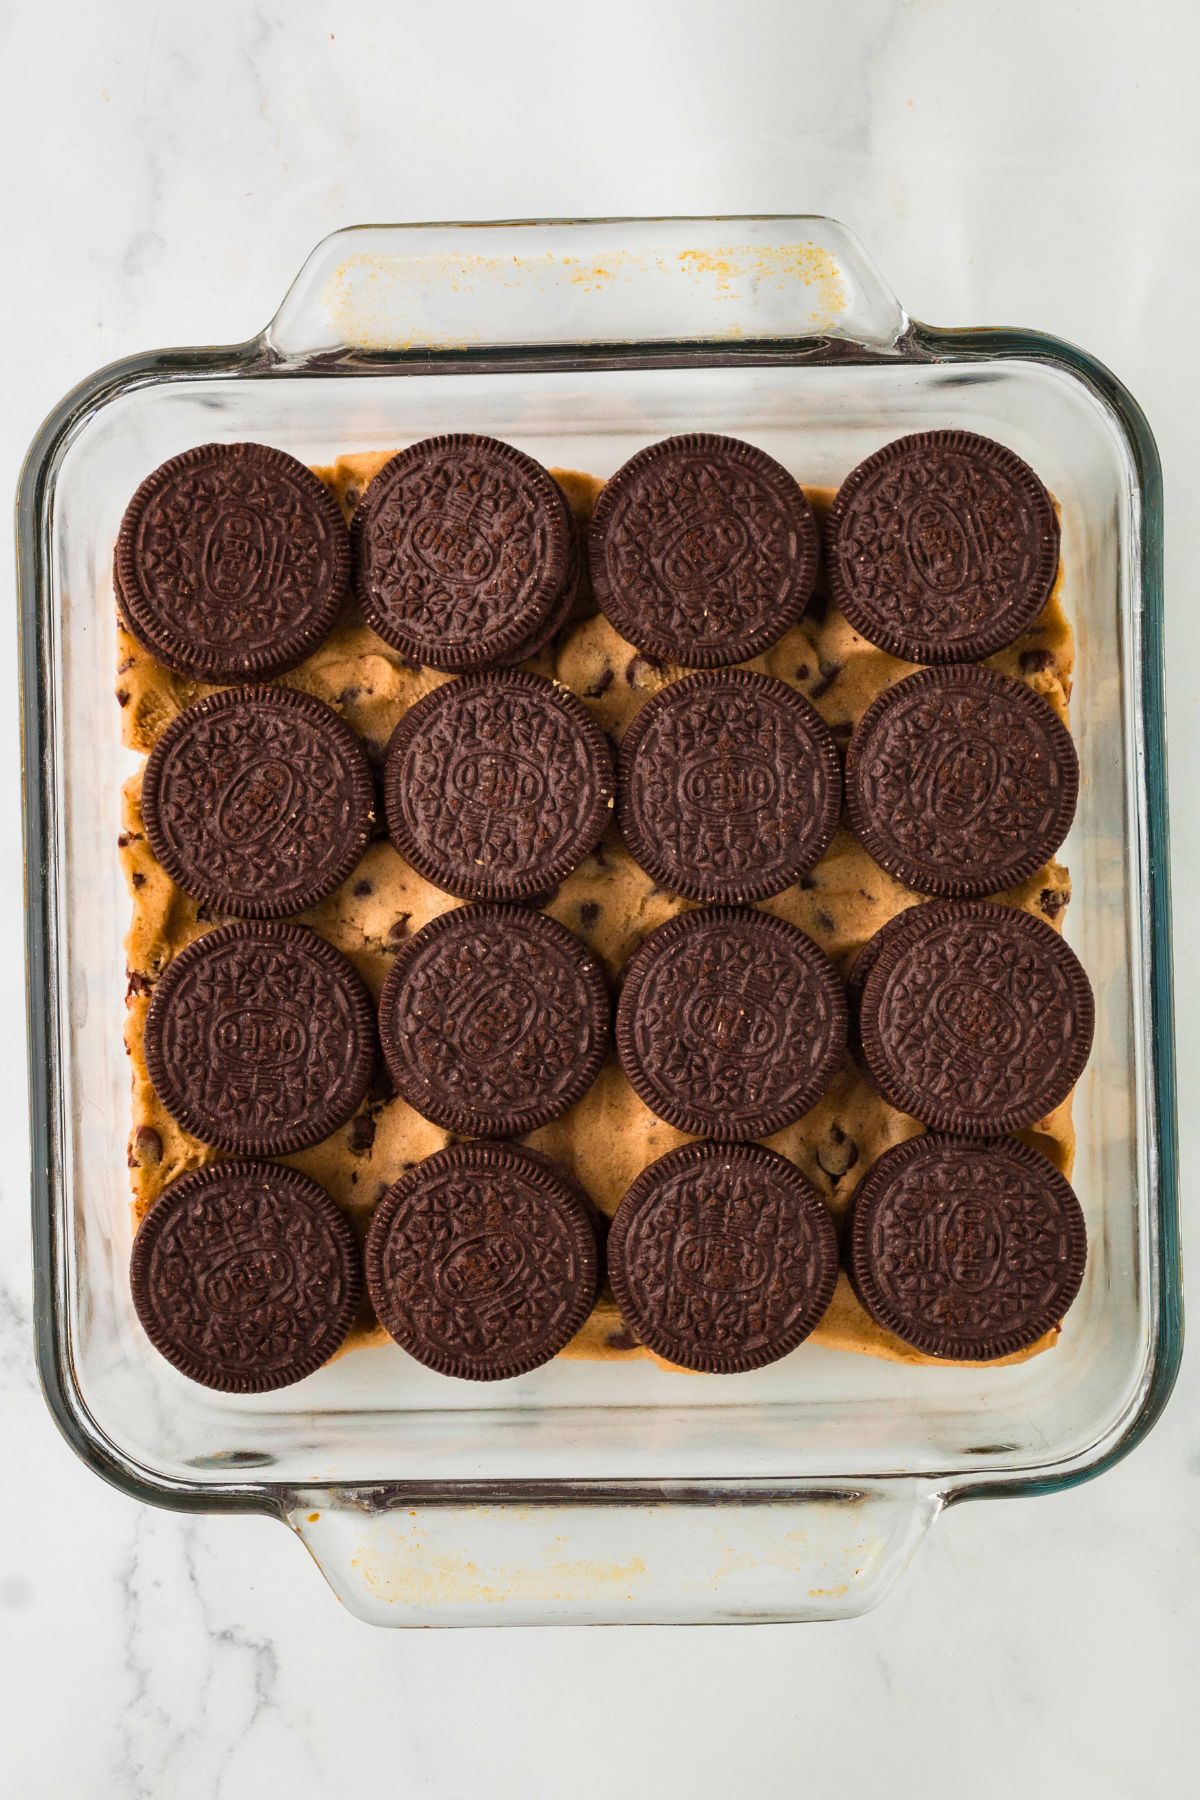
609	1137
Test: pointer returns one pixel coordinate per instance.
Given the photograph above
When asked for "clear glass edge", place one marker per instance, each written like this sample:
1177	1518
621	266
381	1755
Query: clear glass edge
256	357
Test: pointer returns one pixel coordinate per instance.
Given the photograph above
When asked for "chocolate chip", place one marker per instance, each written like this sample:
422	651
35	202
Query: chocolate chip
824	919
146	1149
138	879
639	669
362	889
399	930
600	686
1052	900
123	838
808	883
137	984
360	1135
122	697
124	666
352	497
381	1089
801	672
589	913
829	674
620	1340
1034	662
837	1153
348	696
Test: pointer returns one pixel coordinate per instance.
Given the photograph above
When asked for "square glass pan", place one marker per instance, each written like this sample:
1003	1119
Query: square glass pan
590	1490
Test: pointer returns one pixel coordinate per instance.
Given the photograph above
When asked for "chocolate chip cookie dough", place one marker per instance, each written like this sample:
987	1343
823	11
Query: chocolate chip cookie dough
609	1136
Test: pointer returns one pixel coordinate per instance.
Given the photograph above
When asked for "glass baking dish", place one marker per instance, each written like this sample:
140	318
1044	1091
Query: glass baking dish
593	1491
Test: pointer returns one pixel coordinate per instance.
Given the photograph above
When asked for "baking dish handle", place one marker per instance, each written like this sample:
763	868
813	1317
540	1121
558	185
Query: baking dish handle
674	1559
376	291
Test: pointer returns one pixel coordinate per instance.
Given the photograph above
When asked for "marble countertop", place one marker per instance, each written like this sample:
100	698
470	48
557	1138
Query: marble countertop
166	169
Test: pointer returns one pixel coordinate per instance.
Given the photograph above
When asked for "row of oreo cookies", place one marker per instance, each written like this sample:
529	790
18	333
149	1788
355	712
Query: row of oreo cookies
233	561
971	1017
259	1039
483	1261
259	800
959	781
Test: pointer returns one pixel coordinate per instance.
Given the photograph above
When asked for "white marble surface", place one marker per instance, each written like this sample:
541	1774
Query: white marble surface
165	169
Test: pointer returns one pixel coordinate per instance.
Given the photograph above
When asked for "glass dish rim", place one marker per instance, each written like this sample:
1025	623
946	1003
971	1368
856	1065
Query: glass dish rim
259	358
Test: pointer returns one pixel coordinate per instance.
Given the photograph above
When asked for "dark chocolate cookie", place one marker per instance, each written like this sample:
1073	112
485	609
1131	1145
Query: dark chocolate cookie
494	1020
232	562
462	552
722	1257
964	1250
728	786
497	786
245	1276
483	1261
258	801
702	550
961	782
975	1018
260	1039
942	547
560	612
856	980
730	1022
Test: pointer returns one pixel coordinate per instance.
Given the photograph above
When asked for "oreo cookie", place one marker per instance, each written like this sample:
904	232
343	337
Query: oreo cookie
961	782
258	801
702	550
494	1020
856	980
260	1039
245	1276
730	1023
729	786
942	547
463	553
560	613
975	1018
232	562
497	786
722	1258
483	1261
964	1250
